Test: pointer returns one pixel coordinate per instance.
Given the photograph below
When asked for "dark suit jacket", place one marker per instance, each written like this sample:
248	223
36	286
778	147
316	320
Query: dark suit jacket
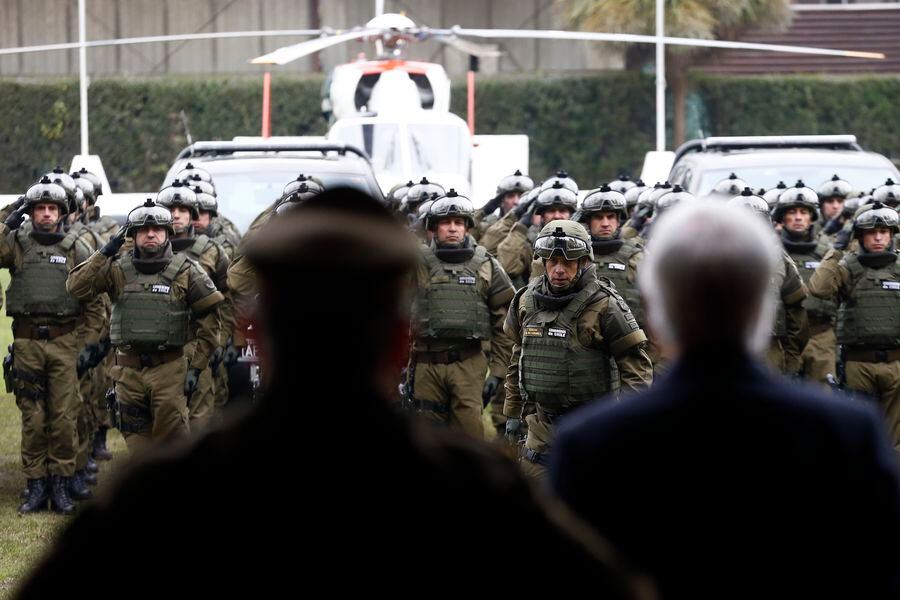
320	497
724	480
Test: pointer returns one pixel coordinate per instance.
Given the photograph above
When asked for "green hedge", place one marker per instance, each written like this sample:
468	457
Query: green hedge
868	107
593	125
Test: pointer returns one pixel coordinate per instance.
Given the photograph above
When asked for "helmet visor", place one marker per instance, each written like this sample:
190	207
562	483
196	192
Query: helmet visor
570	247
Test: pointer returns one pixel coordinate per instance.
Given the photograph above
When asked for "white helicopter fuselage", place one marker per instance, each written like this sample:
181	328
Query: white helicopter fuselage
399	113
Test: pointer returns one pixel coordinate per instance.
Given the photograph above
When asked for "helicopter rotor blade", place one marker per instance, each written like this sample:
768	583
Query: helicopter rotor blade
647	39
286	54
469	47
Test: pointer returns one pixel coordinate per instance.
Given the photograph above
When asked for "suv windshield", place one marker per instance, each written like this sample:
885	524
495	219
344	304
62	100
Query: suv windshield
243	195
860	178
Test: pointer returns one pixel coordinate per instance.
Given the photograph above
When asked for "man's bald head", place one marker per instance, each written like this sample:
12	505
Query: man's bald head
706	278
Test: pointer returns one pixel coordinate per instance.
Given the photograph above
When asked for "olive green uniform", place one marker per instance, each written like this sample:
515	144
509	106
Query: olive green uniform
617	259
214	260
49	326
516	255
790	332
569	350
229	242
819	356
152	305
867	288
89	418
458	318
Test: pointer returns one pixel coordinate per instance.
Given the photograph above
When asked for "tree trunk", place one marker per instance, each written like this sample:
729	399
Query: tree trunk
677	76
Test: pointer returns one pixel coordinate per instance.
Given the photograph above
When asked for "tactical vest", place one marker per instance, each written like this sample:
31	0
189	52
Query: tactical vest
147	317
38	288
869	315
807	258
555	370
195	250
779	327
449	305
614	266
79	229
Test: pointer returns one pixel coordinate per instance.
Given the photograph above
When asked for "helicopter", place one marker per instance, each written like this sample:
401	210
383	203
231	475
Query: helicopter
398	110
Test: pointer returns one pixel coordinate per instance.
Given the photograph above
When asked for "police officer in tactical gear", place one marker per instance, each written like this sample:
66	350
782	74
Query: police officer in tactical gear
555	201
797	211
866	285
101	362
183	204
49	328
419	193
632	195
458	313
575	340
160	299
603	212
621	184
509	191
220	223
771	196
729	187
832	195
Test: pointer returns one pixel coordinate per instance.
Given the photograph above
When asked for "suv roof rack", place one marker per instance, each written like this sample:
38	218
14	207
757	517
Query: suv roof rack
724	144
226	148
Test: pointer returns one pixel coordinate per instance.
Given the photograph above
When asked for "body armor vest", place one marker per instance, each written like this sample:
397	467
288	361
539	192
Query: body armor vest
555	370
449	305
147	317
807	256
869	315
779	328
614	266
38	289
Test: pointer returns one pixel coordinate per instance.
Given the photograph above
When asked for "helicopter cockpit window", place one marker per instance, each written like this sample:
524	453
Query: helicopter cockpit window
439	148
379	140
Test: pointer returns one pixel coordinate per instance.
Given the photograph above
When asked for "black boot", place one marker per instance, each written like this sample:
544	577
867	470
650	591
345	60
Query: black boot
89	478
59	495
91	466
38	494
100	451
78	489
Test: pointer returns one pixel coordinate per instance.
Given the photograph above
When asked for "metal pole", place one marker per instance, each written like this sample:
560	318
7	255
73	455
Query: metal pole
267	105
82	75
379	7
660	77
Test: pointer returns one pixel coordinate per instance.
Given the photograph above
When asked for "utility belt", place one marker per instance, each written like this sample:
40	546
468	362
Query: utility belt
871	356
28	330
141	360
448	357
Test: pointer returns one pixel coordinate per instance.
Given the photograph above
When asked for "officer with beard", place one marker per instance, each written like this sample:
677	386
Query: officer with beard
866	284
49	328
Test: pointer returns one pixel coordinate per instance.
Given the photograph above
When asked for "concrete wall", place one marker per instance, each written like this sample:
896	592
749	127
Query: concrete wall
33	22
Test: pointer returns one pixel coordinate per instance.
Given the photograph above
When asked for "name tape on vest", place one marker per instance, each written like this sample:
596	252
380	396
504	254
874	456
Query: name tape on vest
557	333
616	266
890	285
811	264
531	331
57	260
160	289
466	280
